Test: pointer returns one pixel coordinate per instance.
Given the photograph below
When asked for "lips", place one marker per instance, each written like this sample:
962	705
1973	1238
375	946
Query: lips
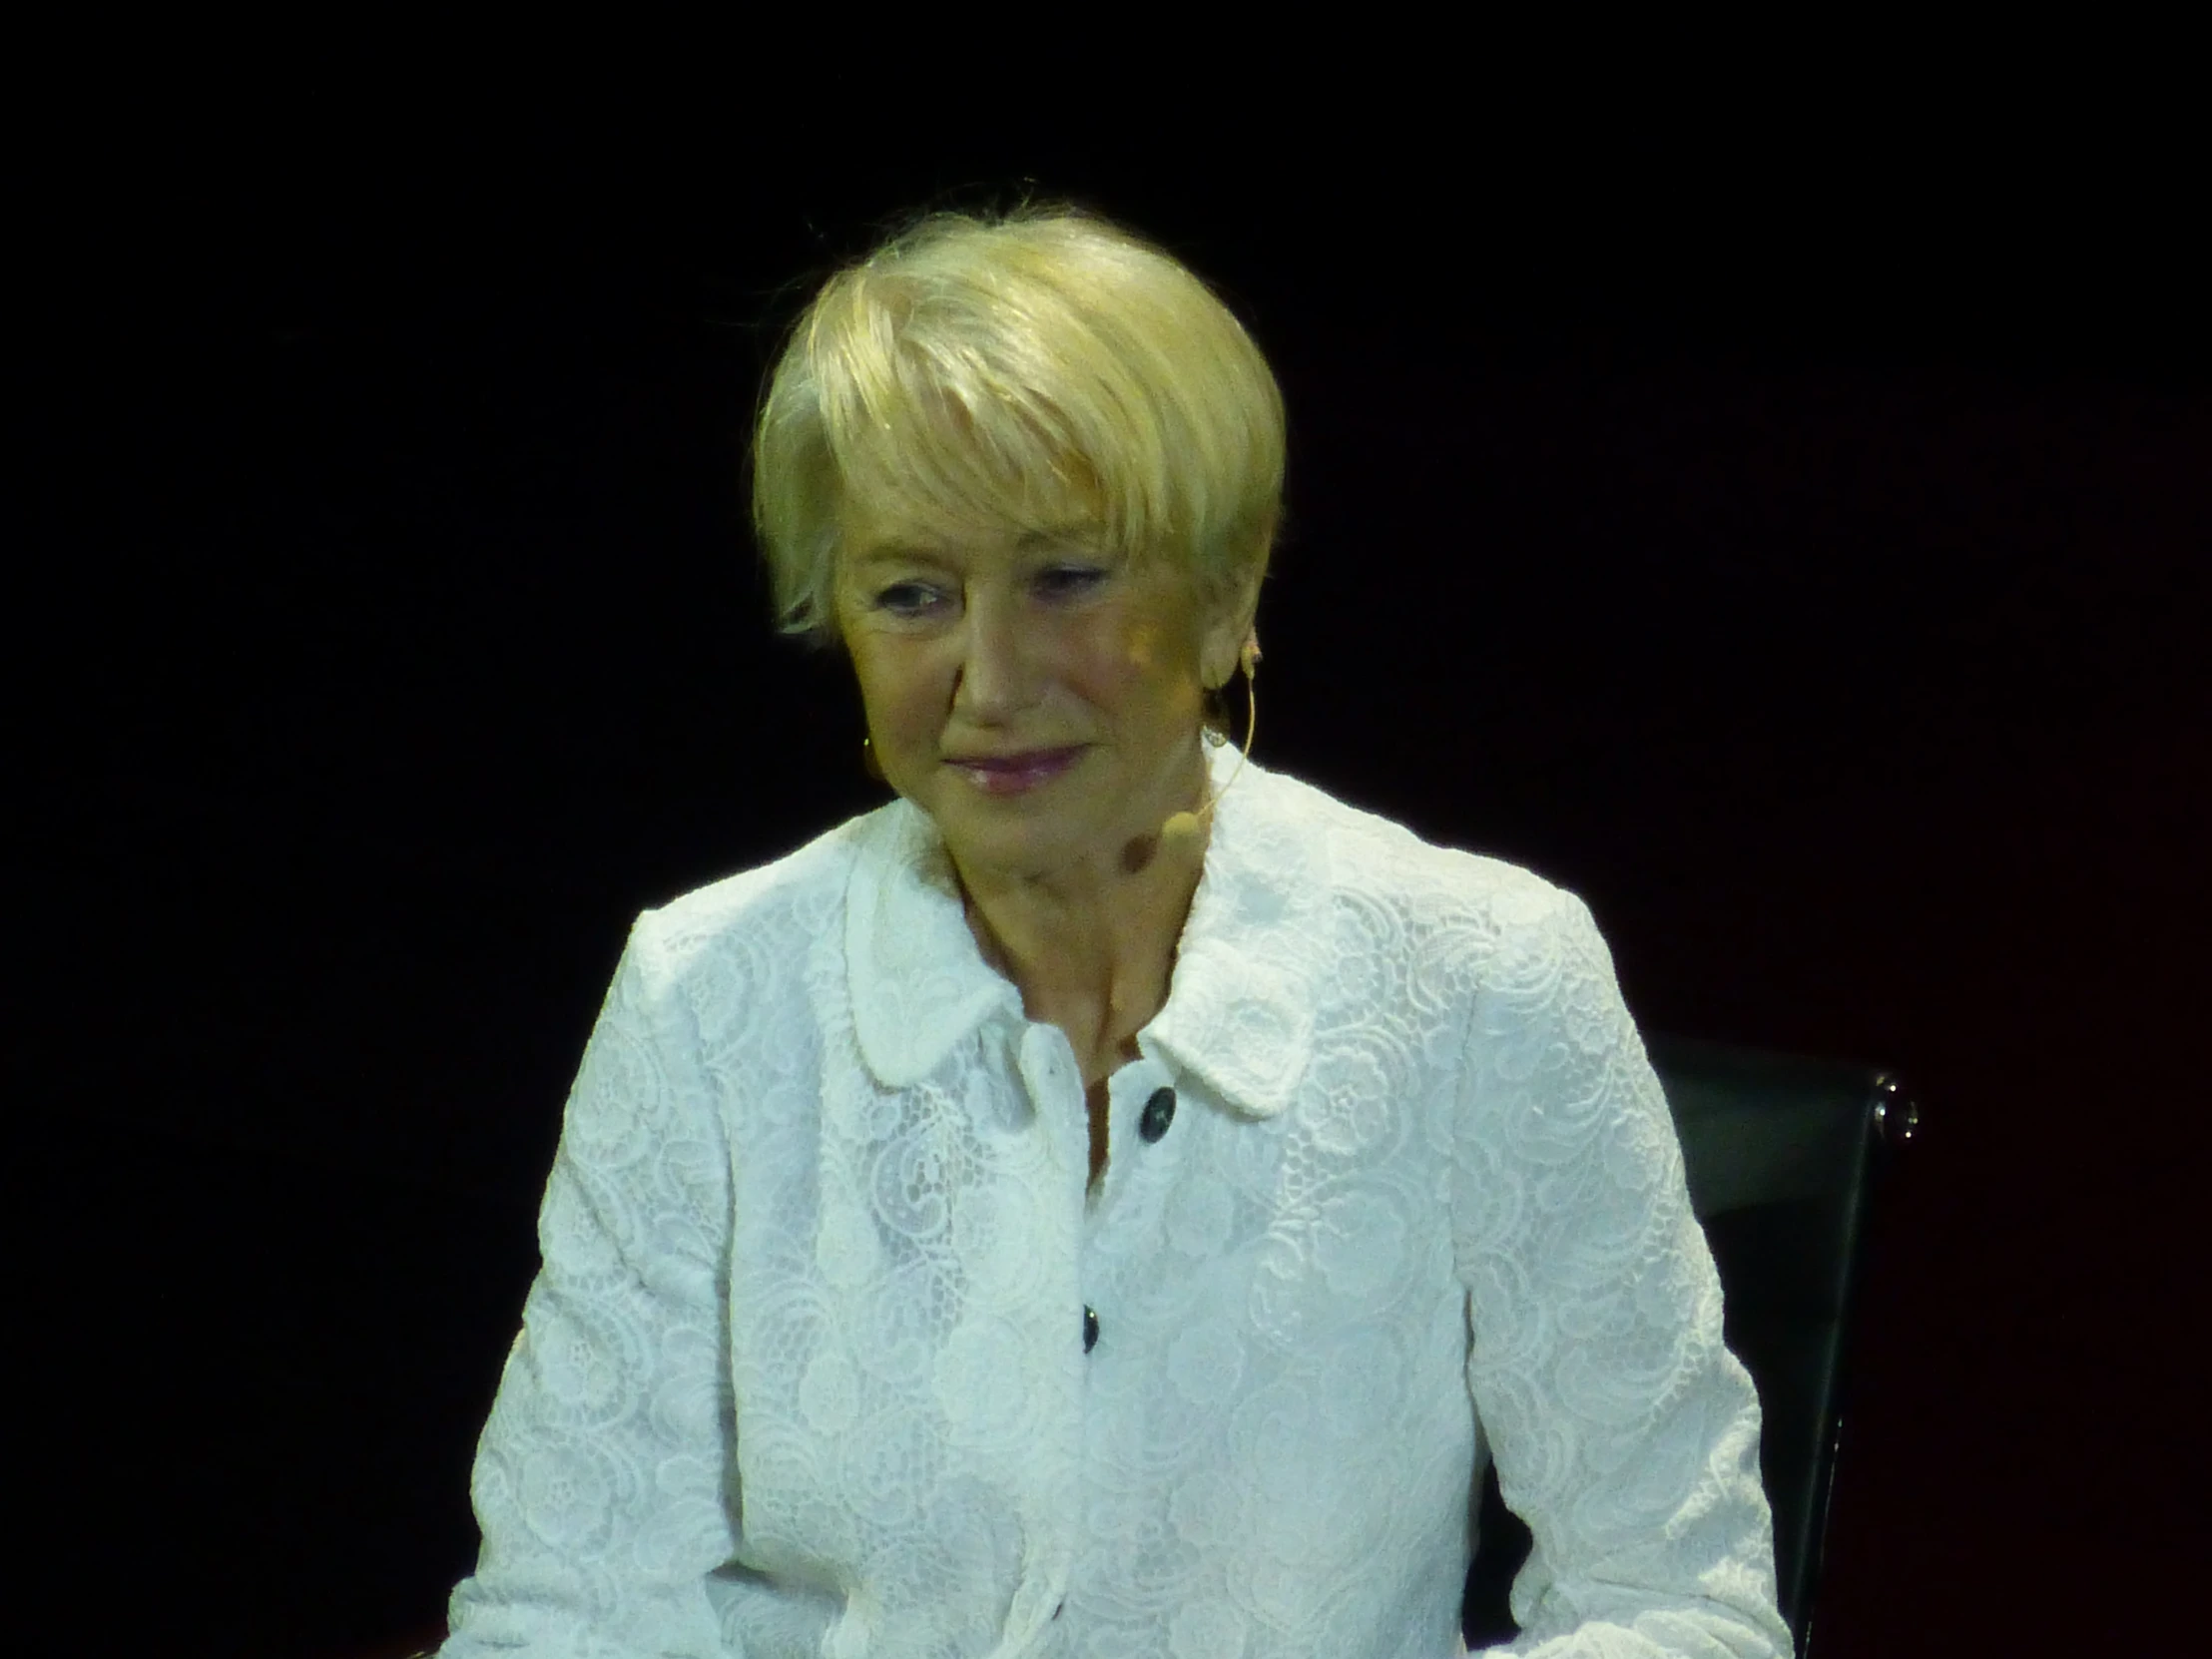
1017	772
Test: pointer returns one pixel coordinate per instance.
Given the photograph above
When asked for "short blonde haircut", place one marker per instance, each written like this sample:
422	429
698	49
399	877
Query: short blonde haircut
1019	374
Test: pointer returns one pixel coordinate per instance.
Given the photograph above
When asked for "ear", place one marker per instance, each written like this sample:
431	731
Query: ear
1229	638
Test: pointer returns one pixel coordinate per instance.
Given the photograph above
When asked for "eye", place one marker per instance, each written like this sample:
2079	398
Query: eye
908	599
1068	581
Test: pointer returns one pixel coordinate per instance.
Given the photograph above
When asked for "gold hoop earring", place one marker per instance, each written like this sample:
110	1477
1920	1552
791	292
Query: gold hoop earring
869	762
1184	827
1216	718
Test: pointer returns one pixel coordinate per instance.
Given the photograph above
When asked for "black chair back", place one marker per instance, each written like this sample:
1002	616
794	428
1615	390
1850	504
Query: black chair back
1784	1156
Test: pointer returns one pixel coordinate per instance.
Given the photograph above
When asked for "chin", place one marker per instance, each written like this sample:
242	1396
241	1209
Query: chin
1014	845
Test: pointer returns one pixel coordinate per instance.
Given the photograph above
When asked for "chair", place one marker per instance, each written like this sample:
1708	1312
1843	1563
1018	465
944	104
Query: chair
1784	1157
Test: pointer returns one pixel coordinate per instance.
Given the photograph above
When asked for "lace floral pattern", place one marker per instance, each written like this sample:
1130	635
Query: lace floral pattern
834	1351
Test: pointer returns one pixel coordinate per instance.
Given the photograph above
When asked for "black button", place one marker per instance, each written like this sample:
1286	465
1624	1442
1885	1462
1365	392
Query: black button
1090	1330
1158	1112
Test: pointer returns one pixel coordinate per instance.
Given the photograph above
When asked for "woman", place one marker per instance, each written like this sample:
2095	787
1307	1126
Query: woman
1105	1201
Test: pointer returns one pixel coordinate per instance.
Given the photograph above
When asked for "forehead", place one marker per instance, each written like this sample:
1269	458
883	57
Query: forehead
881	539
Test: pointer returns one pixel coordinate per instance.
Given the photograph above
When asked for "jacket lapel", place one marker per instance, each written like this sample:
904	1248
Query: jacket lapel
1248	975
918	983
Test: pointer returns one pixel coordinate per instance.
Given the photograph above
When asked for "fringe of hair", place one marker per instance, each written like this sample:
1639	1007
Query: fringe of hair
1034	371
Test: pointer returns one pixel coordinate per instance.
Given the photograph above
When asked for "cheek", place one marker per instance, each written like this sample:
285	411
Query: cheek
1104	667
900	694
1149	667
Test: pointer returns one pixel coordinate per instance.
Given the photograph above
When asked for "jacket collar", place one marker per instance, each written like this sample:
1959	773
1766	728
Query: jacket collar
1247	972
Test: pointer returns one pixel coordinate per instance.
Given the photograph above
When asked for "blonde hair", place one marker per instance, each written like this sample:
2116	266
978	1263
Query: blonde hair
1020	373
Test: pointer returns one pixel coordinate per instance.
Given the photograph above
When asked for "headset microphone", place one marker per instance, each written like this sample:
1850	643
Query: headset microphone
1181	827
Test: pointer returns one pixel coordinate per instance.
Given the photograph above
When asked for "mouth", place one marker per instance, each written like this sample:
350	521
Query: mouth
1017	772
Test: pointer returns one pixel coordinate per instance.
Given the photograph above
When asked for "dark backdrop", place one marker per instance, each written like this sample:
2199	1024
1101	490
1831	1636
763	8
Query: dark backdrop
1803	563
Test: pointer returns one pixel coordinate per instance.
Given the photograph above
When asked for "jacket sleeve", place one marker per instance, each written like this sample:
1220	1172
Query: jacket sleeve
601	1481
1624	1432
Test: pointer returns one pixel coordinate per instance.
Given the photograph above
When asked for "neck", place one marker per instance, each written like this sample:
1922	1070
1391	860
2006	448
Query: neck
1091	947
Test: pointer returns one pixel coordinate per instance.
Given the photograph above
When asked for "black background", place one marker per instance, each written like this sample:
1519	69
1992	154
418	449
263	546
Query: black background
1799	555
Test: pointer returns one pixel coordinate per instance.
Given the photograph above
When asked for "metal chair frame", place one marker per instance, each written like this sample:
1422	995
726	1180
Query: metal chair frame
1785	1158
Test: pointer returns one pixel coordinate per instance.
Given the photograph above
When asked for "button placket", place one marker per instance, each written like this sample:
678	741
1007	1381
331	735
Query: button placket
1151	1117
1121	1223
1048	1071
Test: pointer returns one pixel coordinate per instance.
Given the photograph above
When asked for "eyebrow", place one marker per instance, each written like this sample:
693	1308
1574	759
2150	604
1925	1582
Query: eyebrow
1058	535
1029	541
899	552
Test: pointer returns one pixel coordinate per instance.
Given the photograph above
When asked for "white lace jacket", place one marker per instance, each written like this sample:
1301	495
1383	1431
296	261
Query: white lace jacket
832	1352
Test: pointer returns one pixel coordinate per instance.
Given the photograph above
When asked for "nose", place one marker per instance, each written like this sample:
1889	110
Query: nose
996	680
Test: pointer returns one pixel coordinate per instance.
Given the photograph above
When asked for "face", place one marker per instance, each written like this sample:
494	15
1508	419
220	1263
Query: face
1038	696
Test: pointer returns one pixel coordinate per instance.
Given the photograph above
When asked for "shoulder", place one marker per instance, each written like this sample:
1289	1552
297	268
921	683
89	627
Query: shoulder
771	913
1455	900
